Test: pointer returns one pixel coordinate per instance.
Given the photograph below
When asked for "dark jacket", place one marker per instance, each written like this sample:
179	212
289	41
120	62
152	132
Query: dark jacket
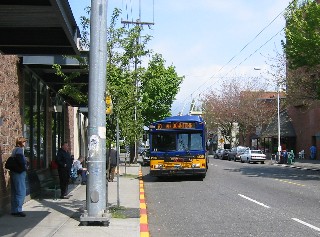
21	159
113	157
64	158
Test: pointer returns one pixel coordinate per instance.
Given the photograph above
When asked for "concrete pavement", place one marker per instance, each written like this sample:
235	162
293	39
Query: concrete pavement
61	217
304	164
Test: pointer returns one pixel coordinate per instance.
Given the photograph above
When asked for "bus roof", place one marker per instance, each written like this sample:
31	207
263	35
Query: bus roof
184	118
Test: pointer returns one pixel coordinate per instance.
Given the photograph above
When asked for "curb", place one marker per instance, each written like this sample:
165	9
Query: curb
297	167
144	228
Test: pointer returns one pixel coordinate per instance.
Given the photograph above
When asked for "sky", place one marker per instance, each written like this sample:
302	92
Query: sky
208	41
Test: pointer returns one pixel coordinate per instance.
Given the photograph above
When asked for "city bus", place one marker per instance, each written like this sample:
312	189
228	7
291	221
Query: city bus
178	146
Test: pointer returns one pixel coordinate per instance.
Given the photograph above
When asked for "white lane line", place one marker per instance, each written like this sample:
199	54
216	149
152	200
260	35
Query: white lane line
306	224
252	200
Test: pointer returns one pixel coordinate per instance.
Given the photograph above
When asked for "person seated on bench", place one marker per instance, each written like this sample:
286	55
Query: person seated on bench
77	165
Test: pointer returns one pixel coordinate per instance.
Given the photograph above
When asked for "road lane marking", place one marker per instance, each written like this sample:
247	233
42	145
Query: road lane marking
289	182
306	224
252	200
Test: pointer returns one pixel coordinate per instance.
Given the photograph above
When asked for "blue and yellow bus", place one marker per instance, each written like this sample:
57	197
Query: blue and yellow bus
178	146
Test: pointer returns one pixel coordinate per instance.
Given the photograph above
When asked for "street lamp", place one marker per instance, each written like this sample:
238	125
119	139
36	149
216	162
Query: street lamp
278	106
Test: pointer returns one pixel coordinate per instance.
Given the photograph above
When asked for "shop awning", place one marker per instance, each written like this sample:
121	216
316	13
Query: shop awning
37	27
286	127
42	67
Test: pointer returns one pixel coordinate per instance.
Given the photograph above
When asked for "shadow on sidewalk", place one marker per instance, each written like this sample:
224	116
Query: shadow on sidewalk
14	226
45	210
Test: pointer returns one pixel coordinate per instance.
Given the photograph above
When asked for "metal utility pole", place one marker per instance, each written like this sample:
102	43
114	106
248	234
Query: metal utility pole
138	22
118	168
97	186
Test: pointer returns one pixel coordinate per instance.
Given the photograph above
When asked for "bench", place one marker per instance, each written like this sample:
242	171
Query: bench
49	182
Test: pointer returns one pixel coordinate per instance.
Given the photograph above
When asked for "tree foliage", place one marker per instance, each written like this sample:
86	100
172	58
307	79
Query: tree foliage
242	107
70	89
302	30
159	85
302	49
303	86
139	94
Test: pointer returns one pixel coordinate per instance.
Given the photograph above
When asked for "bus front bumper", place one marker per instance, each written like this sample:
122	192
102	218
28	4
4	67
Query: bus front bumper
177	172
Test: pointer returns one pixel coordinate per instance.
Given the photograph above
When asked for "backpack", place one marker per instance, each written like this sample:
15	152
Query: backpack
54	164
14	164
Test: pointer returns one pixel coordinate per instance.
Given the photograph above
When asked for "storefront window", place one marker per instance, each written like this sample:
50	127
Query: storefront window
41	141
57	124
35	120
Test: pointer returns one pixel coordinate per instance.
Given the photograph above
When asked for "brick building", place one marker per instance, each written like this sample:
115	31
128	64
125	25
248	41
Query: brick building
306	123
31	42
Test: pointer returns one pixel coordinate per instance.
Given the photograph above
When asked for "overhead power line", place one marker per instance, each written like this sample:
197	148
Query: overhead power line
233	69
246	45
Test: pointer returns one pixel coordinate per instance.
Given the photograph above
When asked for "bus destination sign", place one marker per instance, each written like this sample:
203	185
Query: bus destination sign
176	125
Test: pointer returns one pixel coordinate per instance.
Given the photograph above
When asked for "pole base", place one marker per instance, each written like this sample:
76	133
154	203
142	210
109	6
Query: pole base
102	219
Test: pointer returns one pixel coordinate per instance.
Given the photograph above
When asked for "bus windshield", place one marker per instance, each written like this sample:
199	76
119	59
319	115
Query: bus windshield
177	141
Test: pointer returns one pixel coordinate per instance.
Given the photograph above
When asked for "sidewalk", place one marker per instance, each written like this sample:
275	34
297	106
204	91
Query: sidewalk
61	217
305	164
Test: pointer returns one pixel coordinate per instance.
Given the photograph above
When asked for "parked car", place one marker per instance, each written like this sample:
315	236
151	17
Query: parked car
235	152
253	156
224	154
218	153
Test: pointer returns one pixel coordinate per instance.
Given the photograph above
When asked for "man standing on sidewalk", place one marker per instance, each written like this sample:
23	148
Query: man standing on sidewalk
64	168
313	152
113	163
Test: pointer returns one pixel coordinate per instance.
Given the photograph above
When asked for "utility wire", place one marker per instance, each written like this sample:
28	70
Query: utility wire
233	69
268	25
225	75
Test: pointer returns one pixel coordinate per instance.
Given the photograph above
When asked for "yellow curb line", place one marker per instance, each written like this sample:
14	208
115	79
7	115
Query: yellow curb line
143	217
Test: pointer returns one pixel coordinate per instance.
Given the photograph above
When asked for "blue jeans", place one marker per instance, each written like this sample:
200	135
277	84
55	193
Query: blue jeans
83	176
18	190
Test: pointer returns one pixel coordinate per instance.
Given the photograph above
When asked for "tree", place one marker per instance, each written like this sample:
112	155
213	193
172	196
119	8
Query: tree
124	49
257	108
146	93
246	106
302	49
220	110
302	30
140	95
159	86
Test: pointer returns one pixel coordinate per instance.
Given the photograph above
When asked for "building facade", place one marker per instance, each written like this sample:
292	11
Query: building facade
307	127
29	108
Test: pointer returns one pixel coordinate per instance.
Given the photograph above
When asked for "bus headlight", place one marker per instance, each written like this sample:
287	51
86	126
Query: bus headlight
158	166
196	165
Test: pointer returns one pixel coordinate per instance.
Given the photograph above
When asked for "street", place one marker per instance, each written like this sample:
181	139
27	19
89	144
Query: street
235	199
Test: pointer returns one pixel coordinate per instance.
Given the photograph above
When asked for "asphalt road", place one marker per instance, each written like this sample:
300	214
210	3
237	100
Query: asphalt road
235	199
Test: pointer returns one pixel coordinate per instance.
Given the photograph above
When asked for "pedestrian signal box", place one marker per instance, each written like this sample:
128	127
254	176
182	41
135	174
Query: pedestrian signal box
109	105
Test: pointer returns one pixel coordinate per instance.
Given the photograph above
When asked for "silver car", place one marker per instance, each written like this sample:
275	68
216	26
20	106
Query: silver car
253	156
235	152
